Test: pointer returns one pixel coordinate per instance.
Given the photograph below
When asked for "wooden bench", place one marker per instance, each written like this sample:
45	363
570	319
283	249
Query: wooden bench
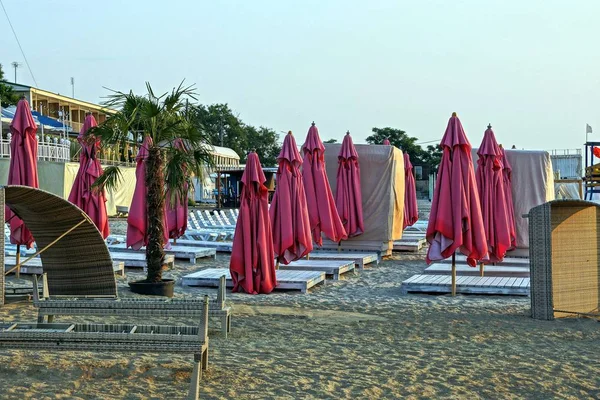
122	211
125	338
49	306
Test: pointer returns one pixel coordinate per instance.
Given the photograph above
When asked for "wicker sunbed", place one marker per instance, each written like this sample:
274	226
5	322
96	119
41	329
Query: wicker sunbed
79	266
125	338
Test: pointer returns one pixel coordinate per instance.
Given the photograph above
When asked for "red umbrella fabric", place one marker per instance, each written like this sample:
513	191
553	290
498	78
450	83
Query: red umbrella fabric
411	209
510	207
386	142
322	213
455	222
252	265
23	166
490	184
288	212
137	220
348	194
91	201
177	213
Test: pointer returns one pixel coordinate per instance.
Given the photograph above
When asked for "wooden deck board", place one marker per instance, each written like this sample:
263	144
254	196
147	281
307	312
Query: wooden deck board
182	252
333	268
409	243
286	279
517	286
138	260
360	258
221	247
489	270
34	266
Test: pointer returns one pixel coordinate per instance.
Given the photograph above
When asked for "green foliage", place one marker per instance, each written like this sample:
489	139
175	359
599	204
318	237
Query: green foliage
222	126
7	96
433	156
330	141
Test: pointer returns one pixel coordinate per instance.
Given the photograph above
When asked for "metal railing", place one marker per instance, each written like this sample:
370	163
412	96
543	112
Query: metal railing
50	150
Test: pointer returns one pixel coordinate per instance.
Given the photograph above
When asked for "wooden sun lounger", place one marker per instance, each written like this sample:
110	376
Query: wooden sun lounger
126	338
34	266
138	260
183	252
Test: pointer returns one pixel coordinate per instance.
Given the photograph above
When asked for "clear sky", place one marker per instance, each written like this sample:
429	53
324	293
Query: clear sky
530	67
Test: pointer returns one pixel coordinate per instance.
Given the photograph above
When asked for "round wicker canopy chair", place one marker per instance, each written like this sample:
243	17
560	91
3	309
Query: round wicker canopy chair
74	255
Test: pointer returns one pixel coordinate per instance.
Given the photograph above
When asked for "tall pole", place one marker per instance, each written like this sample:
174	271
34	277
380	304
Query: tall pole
15	65
72	87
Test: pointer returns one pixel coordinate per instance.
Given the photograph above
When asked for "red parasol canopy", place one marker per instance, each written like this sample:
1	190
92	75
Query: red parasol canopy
510	207
322	212
490	185
23	166
252	266
92	202
455	222
386	142
176	214
348	195
288	212
411	209
137	220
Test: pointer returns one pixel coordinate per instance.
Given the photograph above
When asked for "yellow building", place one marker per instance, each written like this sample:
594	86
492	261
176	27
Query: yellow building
51	104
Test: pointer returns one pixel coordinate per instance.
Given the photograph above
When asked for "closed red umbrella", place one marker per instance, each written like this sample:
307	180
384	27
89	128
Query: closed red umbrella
288	212
411	209
23	167
490	185
510	207
386	142
92	202
177	209
252	266
137	220
322	213
455	222
348	195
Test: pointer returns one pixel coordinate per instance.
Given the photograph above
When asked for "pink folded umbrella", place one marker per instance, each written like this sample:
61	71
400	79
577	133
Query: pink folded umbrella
411	209
490	185
177	213
23	166
322	213
92	202
288	212
348	195
455	222
510	207
386	142
137	220
252	265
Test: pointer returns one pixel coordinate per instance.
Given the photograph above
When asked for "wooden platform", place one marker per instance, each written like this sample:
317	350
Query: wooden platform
138	260
360	259
182	252
503	270
467	284
221	247
333	268
299	280
412	244
34	266
508	261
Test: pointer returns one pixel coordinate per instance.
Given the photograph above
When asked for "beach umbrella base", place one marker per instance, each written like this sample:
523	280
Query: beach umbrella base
163	288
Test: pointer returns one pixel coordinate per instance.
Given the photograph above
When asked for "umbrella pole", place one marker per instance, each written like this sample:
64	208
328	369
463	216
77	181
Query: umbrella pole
277	264
481	269
308	256
453	274
339	246
18	271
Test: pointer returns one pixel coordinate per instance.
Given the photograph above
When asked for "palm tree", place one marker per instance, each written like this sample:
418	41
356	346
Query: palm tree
163	119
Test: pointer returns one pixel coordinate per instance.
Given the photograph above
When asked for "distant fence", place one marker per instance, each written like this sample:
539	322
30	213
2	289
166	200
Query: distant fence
51	150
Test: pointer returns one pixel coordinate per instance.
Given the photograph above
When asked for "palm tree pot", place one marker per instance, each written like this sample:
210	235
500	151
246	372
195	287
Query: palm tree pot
162	288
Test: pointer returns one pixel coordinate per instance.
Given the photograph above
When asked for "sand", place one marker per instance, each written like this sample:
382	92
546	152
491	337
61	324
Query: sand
357	338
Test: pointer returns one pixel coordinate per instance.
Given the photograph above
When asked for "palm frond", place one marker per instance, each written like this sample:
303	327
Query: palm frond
109	180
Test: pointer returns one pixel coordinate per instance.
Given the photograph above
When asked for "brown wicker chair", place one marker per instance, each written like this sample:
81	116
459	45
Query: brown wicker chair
564	248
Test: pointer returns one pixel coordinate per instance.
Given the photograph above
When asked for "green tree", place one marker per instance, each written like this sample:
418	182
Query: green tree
400	139
433	156
163	119
264	141
7	96
330	141
222	127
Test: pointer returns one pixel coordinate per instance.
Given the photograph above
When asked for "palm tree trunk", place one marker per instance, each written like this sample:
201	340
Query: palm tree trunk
155	182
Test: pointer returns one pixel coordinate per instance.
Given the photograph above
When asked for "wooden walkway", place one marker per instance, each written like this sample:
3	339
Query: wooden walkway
462	269
409	244
34	266
182	252
221	247
298	280
333	268
138	260
360	259
467	284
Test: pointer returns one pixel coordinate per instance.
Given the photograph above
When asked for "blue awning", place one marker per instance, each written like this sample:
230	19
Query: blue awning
8	113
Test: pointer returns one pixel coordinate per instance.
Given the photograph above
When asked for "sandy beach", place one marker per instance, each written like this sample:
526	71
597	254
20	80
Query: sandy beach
357	338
